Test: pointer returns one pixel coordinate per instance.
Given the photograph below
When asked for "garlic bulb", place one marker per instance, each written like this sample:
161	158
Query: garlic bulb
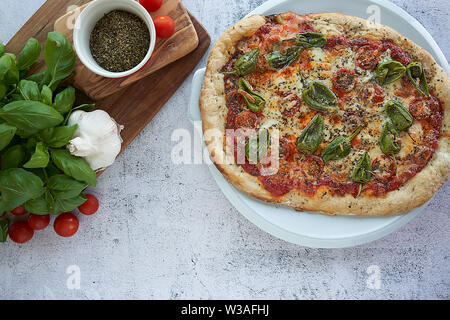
97	138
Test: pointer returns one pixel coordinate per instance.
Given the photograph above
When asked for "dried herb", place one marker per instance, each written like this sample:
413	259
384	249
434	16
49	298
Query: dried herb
119	41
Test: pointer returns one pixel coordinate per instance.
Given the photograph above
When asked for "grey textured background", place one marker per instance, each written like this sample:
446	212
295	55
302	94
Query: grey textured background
167	231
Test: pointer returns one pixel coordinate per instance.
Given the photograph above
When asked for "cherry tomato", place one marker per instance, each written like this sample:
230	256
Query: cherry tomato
19	211
38	222
367	57
66	224
90	206
164	26
151	5
344	80
20	232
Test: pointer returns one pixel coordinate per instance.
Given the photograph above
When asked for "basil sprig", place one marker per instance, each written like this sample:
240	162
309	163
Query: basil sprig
29	54
36	169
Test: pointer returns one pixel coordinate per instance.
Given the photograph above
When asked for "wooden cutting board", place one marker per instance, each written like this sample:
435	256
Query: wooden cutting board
183	41
135	105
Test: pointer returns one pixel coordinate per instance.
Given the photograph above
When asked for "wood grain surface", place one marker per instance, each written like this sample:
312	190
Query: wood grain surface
135	105
183	41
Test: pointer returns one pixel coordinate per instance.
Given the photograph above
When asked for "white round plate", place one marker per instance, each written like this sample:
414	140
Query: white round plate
313	229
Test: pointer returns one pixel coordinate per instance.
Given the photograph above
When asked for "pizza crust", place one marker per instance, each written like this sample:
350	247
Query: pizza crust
414	193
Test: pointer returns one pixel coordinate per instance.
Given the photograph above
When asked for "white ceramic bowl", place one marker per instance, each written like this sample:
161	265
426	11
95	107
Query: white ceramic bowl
86	21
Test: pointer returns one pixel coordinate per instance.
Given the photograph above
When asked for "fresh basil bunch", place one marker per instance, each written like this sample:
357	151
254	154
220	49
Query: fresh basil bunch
37	171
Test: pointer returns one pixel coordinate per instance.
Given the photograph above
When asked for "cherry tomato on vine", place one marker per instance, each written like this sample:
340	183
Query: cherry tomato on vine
90	206
66	224
20	232
38	222
19	211
151	5
164	26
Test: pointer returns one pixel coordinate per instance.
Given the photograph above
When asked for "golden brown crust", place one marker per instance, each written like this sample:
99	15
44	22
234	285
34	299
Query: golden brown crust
413	194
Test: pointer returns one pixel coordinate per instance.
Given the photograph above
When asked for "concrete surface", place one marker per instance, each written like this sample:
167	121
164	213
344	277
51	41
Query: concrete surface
167	232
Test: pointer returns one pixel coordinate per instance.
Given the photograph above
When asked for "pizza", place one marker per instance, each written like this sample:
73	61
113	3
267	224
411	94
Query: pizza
328	113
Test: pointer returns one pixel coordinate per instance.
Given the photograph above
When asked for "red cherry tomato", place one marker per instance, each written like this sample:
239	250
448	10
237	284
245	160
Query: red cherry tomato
20	232
19	211
90	206
164	26
38	222
151	5
66	224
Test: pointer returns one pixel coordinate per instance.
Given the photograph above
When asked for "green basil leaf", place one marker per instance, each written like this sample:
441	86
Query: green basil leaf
311	39
46	95
37	206
319	97
389	71
31	143
2	49
29	90
13	157
58	137
17	186
3	90
37	77
67	205
9	73
45	204
74	167
64	187
4	228
40	157
59	56
65	100
29	54
30	116
50	204
7	133
278	60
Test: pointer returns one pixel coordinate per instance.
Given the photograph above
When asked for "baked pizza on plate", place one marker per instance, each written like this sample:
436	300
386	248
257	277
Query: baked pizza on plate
328	113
